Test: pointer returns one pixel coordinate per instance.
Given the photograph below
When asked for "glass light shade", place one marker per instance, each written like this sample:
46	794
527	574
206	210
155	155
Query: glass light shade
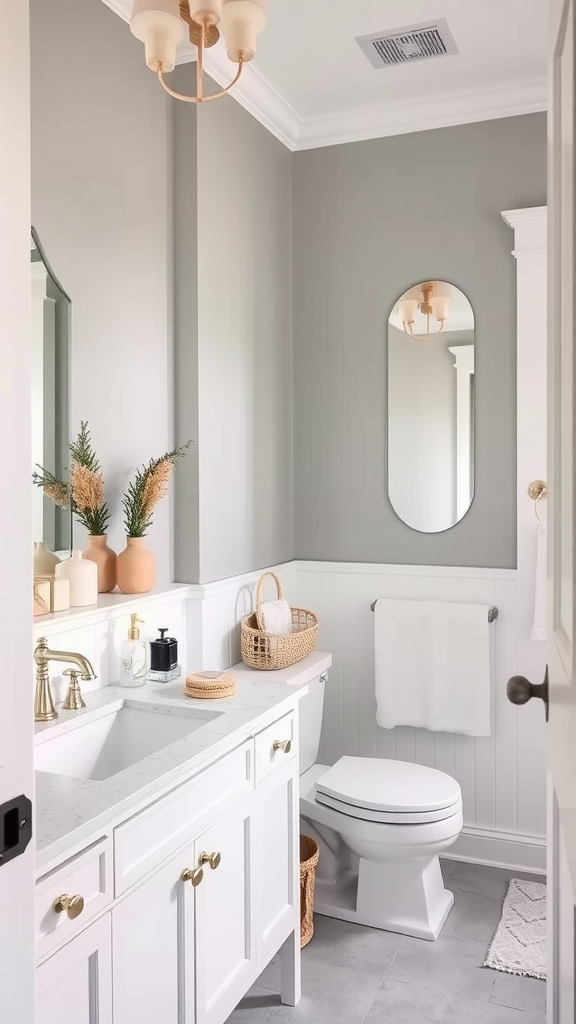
206	12
408	309
440	304
242	20
158	25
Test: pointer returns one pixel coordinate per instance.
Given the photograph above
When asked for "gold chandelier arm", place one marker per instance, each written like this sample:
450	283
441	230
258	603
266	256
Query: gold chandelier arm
200	98
423	337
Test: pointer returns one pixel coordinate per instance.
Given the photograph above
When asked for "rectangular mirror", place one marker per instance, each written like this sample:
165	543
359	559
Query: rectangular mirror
431	375
51	339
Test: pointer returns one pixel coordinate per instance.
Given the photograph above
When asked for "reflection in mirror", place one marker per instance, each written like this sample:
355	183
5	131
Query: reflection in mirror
50	329
431	406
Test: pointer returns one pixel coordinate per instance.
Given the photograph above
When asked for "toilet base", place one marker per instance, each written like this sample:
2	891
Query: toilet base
407	898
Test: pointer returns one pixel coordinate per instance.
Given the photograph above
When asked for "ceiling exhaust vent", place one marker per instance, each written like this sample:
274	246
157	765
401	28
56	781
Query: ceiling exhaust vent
406	45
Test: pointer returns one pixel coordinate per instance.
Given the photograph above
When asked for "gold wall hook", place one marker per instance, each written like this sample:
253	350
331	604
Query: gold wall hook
537	491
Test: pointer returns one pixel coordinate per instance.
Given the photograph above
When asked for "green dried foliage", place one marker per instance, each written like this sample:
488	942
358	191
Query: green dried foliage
146	489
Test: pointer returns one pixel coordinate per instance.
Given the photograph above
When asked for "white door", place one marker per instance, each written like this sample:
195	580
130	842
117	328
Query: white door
16	677
153	939
225	939
562	512
75	984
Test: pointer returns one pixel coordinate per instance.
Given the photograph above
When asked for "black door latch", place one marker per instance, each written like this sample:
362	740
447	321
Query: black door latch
15	828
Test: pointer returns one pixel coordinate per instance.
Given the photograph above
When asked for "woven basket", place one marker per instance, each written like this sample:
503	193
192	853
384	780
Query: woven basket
270	651
309	853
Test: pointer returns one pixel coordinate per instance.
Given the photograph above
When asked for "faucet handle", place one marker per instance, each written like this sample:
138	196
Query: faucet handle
74	700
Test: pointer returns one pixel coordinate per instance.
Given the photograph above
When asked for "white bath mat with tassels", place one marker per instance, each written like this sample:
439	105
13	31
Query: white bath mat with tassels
519	945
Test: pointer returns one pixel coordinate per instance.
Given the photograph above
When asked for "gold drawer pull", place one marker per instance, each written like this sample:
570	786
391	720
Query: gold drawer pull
194	875
213	859
284	745
72	906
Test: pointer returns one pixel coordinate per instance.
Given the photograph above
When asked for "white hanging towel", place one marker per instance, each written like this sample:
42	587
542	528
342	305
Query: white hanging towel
539	627
433	666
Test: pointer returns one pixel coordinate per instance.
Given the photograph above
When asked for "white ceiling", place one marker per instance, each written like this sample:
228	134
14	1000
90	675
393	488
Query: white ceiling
311	84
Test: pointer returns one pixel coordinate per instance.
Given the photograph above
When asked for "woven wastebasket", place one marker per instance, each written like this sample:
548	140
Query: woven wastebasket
309	853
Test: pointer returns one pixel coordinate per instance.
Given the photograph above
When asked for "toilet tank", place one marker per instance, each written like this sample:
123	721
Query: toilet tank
310	715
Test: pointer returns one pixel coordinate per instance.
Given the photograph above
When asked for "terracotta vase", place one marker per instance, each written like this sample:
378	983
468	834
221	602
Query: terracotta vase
99	552
136	567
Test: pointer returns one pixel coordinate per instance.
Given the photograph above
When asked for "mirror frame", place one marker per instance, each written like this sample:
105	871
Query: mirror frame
459	370
50	271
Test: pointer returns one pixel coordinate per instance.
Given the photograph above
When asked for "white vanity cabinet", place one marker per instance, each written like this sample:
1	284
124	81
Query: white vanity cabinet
153	941
198	913
75	984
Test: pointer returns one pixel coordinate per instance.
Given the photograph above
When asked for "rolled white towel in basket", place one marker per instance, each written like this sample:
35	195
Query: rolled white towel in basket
276	617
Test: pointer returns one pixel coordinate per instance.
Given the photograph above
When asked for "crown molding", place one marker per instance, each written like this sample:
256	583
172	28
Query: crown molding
253	93
427	113
121	7
264	103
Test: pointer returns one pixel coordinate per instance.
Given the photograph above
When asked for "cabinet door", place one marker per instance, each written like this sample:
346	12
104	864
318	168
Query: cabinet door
153	940
277	899
75	984
224	928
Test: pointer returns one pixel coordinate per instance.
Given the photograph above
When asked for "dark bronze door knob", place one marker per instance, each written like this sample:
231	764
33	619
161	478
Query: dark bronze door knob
520	690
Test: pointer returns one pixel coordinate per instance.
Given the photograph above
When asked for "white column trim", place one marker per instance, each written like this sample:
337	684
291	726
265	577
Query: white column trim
464	366
531	282
530	229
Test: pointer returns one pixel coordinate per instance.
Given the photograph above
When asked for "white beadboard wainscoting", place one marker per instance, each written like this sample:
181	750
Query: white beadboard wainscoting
503	777
97	632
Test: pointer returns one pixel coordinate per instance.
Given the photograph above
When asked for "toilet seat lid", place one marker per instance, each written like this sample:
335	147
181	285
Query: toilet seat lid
391	786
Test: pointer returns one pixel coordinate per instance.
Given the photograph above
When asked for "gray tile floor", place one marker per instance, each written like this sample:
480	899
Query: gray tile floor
356	975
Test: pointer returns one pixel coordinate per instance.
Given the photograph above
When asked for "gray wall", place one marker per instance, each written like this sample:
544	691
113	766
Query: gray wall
245	469
101	202
370	220
185	206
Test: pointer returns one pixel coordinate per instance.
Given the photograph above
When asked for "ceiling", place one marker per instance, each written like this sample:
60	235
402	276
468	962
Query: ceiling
312	85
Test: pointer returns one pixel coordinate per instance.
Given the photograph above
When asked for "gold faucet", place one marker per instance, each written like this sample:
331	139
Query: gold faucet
44	710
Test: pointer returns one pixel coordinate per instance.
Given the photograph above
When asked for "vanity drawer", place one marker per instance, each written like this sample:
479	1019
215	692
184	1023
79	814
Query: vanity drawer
275	745
144	841
86	878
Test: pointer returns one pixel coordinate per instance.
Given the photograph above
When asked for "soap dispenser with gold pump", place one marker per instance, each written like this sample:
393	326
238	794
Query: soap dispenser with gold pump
133	656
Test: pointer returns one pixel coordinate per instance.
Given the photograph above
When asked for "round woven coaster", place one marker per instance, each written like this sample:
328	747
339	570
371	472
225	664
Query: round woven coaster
210	685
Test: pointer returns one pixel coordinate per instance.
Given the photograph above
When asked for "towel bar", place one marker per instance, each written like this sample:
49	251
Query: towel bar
492	612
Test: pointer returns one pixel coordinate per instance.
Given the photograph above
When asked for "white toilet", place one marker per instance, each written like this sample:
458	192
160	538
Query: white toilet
381	826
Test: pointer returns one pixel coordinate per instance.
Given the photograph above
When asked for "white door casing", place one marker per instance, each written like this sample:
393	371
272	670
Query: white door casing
16	685
561	511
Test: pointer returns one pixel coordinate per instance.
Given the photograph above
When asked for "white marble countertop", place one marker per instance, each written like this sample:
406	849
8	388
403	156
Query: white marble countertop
70	812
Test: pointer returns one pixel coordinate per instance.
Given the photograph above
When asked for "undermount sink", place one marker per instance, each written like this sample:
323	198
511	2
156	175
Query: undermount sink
116	740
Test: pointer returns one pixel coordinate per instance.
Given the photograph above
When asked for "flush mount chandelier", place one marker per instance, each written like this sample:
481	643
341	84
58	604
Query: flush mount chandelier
160	25
431	304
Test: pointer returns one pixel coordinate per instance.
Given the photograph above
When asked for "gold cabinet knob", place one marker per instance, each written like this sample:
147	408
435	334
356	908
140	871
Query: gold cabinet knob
284	745
194	875
72	906
213	859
